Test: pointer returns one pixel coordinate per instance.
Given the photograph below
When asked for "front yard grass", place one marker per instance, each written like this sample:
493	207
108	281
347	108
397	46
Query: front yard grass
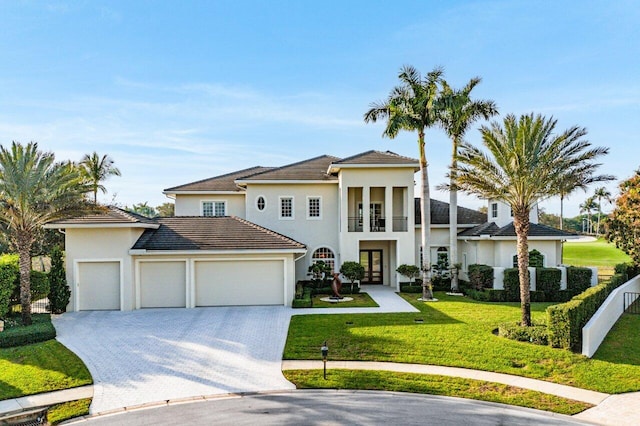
40	367
360	300
599	253
434	385
455	332
68	410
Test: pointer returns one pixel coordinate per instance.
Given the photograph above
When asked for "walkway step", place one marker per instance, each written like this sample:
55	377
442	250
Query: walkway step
564	391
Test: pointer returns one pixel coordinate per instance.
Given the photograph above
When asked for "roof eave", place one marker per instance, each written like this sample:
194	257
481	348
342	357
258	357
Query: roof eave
334	168
287	181
203	192
146	252
100	225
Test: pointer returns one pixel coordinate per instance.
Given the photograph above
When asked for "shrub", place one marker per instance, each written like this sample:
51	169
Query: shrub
441	283
320	273
303	302
480	276
408	288
18	335
489	295
578	279
548	281
566	320
353	271
409	271
59	292
537	333
512	284
7	279
629	270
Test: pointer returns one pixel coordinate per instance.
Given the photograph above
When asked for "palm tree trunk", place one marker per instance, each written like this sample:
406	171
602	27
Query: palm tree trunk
24	253
425	220
521	224
598	224
561	212
453	219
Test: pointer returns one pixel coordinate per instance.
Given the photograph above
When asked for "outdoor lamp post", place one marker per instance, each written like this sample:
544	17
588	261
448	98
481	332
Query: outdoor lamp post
325	351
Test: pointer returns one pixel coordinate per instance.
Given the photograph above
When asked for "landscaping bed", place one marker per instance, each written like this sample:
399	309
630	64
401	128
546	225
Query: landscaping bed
360	300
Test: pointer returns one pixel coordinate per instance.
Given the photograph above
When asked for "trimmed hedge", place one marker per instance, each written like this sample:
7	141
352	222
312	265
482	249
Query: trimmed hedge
303	298
536	334
548	281
629	270
18	335
7	277
578	279
480	276
565	321
492	295
512	285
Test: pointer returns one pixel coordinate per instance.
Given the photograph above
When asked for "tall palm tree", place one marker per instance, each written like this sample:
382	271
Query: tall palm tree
459	112
413	106
525	164
587	207
34	190
601	193
97	169
576	180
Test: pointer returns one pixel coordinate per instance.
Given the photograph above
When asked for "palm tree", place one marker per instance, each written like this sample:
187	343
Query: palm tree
458	114
34	190
601	193
413	106
587	207
97	169
576	180
525	164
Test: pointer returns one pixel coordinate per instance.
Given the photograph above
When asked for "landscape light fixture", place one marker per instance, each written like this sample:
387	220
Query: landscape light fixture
325	351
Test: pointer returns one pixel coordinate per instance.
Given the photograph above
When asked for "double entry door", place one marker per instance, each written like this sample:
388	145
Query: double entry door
371	260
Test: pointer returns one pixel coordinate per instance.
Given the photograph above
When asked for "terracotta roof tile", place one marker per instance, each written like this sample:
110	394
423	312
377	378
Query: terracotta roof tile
111	215
220	183
212	233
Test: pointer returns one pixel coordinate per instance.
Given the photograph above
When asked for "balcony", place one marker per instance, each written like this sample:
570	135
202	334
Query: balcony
377	224
399	224
355	224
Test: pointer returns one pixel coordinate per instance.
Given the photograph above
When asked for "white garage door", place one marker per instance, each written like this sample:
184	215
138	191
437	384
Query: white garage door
247	282
99	286
162	284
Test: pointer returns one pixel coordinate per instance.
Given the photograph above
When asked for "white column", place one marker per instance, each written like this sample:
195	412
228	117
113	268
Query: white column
366	214
388	208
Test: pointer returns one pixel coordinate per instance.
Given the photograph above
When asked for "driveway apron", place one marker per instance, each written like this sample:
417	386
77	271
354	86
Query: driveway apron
151	355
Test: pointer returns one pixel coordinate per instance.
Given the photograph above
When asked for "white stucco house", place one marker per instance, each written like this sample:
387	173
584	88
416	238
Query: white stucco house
246	237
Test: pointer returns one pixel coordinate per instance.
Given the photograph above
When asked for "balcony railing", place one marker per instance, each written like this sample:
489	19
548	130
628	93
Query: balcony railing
399	224
355	224
377	224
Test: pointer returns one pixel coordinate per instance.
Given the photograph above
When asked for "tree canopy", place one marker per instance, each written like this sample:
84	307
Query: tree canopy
623	224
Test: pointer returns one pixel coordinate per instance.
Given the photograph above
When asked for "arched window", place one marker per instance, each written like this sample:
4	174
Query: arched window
326	255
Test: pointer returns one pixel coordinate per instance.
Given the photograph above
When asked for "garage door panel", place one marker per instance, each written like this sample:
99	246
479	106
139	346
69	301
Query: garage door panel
246	282
163	284
99	286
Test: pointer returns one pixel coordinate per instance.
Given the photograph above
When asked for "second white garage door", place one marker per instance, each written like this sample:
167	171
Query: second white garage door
246	282
163	284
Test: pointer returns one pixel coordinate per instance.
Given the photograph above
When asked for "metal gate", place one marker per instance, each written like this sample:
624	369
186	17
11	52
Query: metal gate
631	303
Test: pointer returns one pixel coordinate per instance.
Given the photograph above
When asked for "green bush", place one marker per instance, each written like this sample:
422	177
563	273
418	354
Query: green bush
489	295
512	284
629	270
7	279
346	289
480	276
410	271
17	335
537	333
548	281
440	283
409	288
59	292
566	320
578	279
304	301
39	285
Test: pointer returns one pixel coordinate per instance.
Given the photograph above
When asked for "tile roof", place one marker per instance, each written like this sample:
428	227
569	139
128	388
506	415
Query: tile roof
212	233
535	230
377	157
440	214
312	169
220	183
110	216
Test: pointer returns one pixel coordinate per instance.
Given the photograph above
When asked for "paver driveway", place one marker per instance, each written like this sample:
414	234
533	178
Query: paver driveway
152	355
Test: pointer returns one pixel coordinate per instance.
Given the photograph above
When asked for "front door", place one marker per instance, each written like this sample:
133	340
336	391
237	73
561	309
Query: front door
371	260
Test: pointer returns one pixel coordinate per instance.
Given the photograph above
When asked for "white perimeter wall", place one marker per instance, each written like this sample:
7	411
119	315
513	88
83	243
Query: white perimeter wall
594	332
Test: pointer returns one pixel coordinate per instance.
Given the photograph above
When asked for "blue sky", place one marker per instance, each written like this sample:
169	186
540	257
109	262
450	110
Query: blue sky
180	91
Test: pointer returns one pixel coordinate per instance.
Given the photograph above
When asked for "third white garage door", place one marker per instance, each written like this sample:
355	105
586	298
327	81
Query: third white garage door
163	284
245	282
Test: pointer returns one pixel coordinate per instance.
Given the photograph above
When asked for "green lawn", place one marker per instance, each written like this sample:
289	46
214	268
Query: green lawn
40	367
455	332
68	410
597	253
622	344
360	300
434	385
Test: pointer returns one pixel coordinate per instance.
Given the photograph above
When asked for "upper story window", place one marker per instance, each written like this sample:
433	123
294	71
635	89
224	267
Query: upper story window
494	210
314	208
214	208
286	208
261	203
